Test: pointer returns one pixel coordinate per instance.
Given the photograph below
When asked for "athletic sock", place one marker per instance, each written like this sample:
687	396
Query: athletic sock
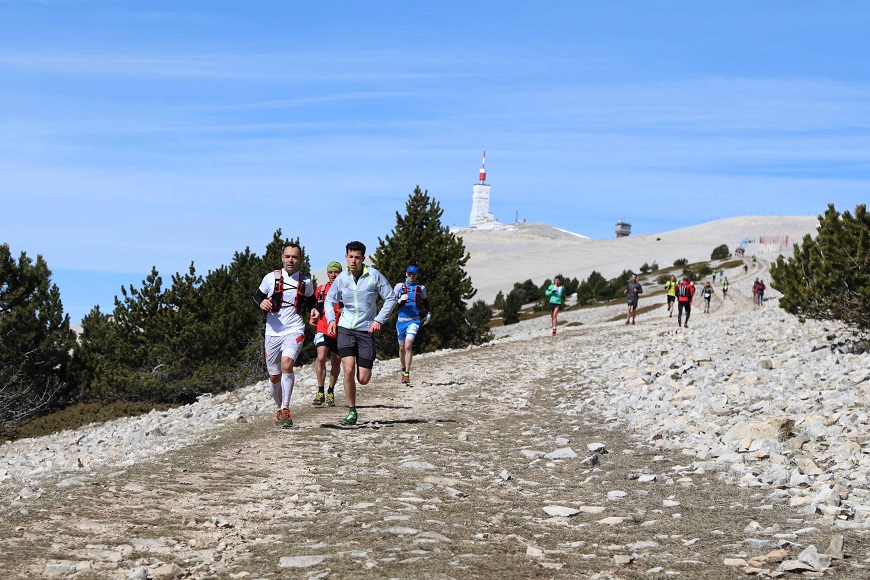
287	382
276	392
320	388
330	390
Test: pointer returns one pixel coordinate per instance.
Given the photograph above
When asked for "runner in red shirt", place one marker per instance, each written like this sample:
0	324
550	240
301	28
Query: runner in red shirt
327	346
685	293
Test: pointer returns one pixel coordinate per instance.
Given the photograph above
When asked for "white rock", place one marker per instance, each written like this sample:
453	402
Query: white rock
561	453
811	556
300	561
560	511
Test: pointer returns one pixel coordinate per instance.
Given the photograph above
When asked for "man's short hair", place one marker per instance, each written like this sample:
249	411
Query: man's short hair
291	245
355	247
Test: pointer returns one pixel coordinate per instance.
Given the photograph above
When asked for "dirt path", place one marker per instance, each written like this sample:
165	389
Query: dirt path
446	479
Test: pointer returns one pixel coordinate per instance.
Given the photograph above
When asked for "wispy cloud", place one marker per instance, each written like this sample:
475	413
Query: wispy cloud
285	67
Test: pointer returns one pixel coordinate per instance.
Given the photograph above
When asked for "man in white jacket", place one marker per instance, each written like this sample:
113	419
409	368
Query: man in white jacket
358	288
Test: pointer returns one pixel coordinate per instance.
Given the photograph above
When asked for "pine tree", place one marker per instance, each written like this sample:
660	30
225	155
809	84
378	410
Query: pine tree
513	303
172	344
720	252
828	277
420	239
35	338
478	316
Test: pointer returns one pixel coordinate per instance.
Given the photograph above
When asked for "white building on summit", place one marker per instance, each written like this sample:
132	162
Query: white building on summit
480	200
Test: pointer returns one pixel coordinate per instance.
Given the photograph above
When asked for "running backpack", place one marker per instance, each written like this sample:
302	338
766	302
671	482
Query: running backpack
416	294
278	294
684	289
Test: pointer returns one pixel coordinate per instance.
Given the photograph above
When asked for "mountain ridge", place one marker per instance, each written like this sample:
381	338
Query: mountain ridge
537	251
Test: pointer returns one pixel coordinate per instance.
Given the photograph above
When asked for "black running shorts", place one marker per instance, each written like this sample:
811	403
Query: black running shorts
358	344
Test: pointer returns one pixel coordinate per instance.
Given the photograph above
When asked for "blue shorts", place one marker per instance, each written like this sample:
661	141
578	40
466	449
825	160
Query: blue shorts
407	329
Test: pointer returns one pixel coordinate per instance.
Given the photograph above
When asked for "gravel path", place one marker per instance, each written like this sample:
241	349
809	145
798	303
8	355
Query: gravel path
535	456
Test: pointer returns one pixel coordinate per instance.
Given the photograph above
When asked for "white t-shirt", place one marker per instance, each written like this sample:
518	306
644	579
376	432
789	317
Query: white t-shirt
286	321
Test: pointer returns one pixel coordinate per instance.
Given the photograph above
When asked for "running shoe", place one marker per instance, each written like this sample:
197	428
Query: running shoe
286	419
406	377
330	399
278	418
319	398
553	333
349	420
686	325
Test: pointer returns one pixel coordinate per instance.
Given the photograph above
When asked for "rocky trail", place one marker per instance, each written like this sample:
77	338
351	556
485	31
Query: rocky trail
607	451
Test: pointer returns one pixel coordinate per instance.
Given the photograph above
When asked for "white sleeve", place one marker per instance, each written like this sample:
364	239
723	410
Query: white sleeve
267	286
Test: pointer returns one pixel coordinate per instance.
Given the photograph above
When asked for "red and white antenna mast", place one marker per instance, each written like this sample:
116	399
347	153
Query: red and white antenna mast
483	168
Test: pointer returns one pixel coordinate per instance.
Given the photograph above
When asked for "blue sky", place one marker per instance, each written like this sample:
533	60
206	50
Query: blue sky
140	134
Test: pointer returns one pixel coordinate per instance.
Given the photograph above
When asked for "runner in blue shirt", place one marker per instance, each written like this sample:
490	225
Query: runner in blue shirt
413	301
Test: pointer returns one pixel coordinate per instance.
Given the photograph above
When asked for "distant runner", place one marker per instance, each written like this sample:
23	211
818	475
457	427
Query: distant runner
685	294
284	295
556	292
413	302
707	294
633	290
759	292
725	285
671	291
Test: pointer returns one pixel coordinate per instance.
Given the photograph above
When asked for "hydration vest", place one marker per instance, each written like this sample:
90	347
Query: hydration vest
684	289
320	297
278	294
416	294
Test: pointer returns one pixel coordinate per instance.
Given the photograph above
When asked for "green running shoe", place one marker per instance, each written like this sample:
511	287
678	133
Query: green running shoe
319	398
349	420
330	399
284	420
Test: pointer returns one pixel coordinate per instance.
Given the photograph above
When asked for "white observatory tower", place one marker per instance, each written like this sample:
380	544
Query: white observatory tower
480	200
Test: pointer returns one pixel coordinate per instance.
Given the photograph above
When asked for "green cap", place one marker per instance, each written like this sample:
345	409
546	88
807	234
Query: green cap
334	267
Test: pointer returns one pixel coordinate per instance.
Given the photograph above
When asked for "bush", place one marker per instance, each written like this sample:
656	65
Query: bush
571	285
513	303
594	288
478	316
655	267
498	304
528	291
720	252
681	262
645	268
617	285
828	278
